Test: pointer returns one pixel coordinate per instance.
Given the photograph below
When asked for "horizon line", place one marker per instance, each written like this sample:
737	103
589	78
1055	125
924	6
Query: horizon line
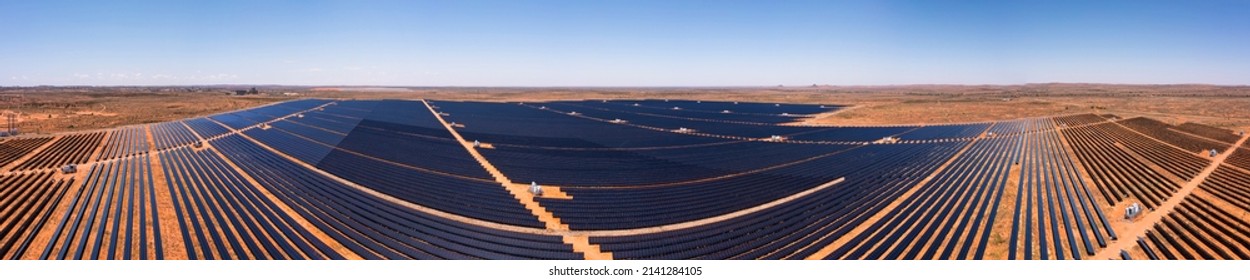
623	86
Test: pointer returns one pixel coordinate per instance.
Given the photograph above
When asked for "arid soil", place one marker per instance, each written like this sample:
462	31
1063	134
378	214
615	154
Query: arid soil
50	109
46	111
1221	106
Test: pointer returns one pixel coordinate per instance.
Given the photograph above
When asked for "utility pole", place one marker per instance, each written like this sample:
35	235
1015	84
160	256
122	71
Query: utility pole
12	123
12	119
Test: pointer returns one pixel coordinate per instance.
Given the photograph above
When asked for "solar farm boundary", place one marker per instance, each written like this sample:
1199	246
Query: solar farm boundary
1139	228
867	224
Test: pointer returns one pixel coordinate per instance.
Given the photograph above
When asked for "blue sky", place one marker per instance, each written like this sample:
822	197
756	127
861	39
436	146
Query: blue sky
622	43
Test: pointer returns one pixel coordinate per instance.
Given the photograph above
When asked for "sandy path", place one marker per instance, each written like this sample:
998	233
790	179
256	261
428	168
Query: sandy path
171	236
999	244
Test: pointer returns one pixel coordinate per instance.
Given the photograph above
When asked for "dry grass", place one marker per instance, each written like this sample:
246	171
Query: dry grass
999	246
60	111
938	110
49	110
1213	105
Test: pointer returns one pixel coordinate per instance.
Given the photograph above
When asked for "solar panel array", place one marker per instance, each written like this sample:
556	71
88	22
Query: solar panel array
621	179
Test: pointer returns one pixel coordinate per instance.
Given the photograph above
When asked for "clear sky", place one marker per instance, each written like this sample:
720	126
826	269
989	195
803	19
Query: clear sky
622	43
